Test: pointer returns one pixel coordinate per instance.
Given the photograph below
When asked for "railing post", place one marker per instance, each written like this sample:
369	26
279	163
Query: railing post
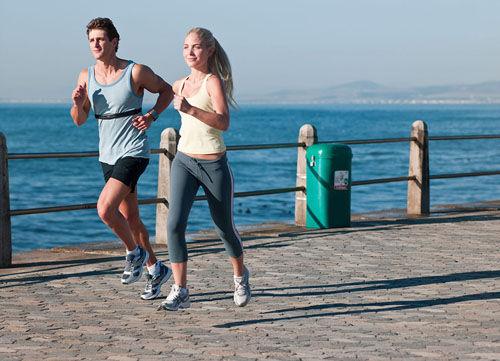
307	135
418	201
169	139
5	230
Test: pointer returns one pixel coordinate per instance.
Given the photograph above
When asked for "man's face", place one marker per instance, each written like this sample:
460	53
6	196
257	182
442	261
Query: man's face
100	45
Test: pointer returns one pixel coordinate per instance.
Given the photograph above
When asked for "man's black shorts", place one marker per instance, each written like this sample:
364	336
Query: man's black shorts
127	170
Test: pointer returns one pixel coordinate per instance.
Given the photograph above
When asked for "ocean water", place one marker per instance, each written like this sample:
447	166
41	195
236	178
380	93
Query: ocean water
50	182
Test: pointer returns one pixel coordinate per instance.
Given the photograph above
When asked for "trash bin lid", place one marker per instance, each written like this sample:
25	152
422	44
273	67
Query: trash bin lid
330	150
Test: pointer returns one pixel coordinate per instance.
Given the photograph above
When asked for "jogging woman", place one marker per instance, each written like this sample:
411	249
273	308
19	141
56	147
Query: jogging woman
202	101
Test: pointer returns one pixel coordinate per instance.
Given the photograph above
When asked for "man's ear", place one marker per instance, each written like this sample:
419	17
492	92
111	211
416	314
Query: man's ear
114	42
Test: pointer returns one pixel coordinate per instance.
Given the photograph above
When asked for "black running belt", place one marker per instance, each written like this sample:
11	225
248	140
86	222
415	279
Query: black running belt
118	115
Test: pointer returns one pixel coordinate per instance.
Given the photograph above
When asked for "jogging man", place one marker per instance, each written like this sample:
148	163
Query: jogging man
114	89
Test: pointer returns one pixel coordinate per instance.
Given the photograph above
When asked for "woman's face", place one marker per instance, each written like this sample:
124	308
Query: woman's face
196	54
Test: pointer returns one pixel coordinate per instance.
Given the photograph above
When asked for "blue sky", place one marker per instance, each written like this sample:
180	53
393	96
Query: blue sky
272	44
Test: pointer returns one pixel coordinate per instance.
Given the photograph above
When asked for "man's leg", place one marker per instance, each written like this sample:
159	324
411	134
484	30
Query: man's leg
158	273
112	195
129	208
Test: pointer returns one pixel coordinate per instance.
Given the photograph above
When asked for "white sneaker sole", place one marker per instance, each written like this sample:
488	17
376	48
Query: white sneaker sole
183	305
244	303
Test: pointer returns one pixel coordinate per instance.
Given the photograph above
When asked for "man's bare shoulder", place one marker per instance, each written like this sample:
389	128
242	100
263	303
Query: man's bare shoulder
141	70
83	76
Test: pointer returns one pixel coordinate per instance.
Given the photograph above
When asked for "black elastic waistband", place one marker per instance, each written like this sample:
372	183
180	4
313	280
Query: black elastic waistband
118	115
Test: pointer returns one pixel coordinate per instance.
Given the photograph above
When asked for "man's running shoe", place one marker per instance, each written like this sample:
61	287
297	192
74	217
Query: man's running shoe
153	286
134	266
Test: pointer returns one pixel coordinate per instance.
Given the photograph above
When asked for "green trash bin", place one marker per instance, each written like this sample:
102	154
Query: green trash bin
328	186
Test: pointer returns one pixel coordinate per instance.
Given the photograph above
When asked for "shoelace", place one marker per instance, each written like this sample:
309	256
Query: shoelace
240	287
176	297
128	265
149	283
175	294
130	259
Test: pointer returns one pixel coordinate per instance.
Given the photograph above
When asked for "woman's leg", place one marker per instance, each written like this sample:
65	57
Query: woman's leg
183	188
219	188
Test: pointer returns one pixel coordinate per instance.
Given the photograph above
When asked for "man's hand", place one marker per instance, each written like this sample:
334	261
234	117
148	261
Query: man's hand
143	122
79	95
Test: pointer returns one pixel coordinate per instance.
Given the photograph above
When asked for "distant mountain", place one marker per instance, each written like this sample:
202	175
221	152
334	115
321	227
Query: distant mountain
357	92
368	92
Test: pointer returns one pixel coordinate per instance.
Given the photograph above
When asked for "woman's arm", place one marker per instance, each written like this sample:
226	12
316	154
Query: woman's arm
219	119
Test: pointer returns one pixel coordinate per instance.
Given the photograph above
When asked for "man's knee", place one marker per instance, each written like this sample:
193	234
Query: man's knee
105	212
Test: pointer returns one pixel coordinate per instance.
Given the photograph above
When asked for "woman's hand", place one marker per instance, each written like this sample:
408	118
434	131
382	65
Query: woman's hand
181	104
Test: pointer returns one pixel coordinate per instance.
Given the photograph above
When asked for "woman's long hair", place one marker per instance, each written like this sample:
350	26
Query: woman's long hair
218	63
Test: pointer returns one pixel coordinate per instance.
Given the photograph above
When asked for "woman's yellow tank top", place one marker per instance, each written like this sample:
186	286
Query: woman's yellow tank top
196	136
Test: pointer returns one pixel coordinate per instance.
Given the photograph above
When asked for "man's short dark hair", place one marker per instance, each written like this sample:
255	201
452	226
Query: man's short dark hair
106	25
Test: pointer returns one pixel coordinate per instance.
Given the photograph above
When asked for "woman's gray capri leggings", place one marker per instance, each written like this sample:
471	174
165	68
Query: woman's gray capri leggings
215	176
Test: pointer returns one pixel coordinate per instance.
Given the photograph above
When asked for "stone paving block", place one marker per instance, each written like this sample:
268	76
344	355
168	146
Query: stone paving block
122	358
373	292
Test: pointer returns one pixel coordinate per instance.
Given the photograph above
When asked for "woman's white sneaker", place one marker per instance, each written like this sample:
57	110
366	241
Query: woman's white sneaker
242	293
178	298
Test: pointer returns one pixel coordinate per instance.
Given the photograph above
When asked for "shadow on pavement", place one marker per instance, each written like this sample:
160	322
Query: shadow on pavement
373	307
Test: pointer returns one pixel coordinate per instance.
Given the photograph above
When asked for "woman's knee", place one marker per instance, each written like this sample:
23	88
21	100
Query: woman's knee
176	241
226	231
232	241
175	225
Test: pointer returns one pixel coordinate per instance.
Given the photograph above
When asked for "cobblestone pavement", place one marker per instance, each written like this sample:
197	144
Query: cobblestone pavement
393	288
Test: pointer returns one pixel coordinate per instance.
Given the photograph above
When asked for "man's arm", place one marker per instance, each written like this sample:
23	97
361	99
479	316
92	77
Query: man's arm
144	78
81	103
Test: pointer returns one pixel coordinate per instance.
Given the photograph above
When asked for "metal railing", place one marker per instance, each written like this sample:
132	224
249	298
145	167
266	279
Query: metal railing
84	206
148	201
418	178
